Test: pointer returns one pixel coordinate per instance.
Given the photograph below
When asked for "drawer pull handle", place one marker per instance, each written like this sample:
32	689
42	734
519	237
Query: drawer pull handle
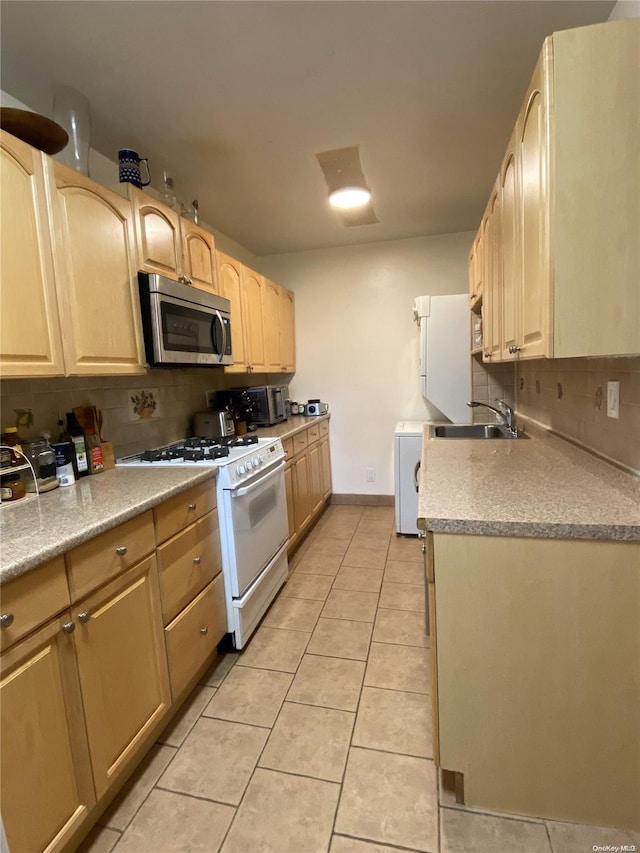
69	627
84	616
192	506
121	551
197	560
6	620
204	630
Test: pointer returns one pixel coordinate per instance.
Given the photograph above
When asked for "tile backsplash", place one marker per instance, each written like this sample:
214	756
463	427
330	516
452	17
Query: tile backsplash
569	395
492	382
180	393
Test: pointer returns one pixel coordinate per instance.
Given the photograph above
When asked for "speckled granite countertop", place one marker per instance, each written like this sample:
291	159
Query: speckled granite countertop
39	529
290	427
542	487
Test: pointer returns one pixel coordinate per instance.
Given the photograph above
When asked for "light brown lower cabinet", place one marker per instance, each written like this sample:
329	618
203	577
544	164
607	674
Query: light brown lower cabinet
47	788
192	637
123	667
307	478
89	679
537	661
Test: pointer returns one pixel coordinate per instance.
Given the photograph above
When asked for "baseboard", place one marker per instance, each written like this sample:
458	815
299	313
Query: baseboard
363	500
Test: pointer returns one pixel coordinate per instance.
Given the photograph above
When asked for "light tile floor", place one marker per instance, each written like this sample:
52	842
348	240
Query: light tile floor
317	738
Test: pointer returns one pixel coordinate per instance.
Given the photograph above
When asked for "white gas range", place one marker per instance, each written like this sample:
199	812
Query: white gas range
252	511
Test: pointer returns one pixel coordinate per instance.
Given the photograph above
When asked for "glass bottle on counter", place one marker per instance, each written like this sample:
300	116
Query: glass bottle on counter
11	439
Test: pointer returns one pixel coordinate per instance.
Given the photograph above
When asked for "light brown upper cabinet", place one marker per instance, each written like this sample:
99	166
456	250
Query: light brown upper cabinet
230	282
96	280
271	323
170	245
286	323
262	319
569	205
252	292
492	275
29	323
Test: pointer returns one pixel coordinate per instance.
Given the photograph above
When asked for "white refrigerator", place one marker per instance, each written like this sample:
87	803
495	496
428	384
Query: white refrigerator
445	360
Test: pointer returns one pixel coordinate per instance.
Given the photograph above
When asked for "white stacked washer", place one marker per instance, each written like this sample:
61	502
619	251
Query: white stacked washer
252	511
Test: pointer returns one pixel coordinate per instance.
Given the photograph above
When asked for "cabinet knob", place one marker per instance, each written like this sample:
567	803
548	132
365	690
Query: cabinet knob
197	560
6	620
84	616
69	627
191	506
121	551
204	630
487	354
514	348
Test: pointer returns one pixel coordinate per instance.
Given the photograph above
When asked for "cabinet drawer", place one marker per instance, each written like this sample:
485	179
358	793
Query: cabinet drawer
32	599
187	563
299	441
313	433
109	554
323	426
172	515
193	636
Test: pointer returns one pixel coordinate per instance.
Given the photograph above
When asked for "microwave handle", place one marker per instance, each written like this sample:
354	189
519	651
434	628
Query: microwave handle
224	336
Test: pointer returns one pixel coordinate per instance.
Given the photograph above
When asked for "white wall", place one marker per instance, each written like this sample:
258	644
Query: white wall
625	9
357	345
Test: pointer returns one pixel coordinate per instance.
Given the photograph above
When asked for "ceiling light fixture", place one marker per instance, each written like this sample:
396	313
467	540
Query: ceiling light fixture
349	197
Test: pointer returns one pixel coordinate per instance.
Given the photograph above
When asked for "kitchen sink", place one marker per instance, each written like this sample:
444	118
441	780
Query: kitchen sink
473	431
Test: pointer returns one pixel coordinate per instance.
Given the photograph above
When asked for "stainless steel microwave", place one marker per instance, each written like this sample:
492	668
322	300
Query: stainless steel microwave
182	325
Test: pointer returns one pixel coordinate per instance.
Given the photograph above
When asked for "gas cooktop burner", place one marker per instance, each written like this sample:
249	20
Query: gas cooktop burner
200	452
164	454
239	440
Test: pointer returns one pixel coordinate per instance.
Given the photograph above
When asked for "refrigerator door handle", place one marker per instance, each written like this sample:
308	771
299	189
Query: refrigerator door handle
415	475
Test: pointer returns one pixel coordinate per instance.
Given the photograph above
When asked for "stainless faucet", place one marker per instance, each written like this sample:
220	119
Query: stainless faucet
504	414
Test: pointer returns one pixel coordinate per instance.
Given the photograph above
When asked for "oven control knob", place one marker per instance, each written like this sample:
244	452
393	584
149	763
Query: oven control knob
261	458
256	461
249	464
240	470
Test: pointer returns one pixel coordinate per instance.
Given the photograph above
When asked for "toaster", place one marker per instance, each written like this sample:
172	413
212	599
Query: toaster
212	424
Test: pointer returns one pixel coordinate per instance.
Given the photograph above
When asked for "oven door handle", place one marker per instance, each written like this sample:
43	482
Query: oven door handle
239	493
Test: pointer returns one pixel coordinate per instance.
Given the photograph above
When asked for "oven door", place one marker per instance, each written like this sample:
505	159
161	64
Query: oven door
256	526
183	333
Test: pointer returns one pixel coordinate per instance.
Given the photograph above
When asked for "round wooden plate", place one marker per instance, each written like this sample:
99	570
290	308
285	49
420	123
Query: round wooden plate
37	130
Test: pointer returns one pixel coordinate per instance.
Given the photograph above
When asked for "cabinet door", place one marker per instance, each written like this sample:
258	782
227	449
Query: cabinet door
534	302
193	635
253	287
315	478
288	485
123	668
492	339
231	286
158	239
29	324
271	325
286	323
95	277
46	774
325	460
511	265
199	256
301	500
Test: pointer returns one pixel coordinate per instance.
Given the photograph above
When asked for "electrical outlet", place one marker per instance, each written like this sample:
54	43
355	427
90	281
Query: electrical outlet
371	475
613	399
210	397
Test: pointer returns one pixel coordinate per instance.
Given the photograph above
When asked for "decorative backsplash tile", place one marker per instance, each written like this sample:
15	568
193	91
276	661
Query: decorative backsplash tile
579	410
177	395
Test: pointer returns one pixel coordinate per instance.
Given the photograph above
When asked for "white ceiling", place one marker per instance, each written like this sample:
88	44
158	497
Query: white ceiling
235	99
